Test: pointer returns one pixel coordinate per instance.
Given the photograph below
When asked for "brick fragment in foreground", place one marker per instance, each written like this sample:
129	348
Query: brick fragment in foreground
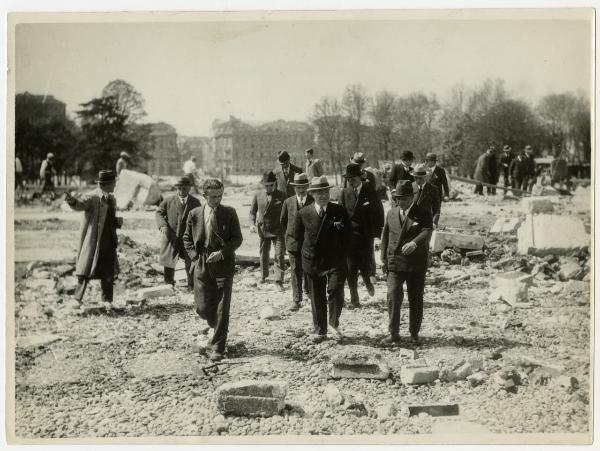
252	398
360	362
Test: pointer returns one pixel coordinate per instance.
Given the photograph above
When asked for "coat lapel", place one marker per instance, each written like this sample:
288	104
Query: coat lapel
181	225
322	220
200	238
102	211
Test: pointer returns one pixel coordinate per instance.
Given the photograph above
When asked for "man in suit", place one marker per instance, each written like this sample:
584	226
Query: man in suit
211	237
265	213
427	196
171	219
437	176
290	209
505	161
97	255
364	209
483	170
522	169
285	174
322	231
403	170
367	177
404	252
314	167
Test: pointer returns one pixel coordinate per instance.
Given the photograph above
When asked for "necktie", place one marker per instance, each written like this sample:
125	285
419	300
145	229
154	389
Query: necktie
321	212
211	229
356	192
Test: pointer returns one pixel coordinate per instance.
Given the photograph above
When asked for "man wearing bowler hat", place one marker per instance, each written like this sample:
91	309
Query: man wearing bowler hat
363	209
291	207
404	252
285	174
265	214
427	196
171	218
367	177
97	255
322	231
402	171
437	176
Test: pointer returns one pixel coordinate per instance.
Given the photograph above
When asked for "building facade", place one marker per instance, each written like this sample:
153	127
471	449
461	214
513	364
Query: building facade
200	147
244	149
165	157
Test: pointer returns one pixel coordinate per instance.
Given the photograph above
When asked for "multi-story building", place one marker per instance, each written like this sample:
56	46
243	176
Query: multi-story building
164	153
201	148
242	148
38	109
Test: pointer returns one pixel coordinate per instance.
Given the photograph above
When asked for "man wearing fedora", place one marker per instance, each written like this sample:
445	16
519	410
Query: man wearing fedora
522	169
505	161
322	231
437	176
122	162
171	218
211	238
291	207
285	174
367	177
314	167
404	252
427	196
265	214
97	254
402	171
364	210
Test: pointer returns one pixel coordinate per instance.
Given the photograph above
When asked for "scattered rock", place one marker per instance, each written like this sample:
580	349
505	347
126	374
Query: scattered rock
569	382
434	410
156	292
252	398
511	323
333	395
270	313
477	378
386	410
418	374
359	362
507	379
570	270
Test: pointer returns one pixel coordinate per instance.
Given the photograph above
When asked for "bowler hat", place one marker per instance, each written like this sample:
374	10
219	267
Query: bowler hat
353	170
183	181
359	157
268	178
419	171
431	156
319	183
404	188
283	156
407	155
300	179
106	176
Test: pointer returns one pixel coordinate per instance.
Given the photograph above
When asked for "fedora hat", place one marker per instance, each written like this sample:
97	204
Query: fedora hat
124	154
319	183
407	155
106	176
49	155
268	178
353	170
431	156
300	179
183	181
283	156
419	171
358	157
404	188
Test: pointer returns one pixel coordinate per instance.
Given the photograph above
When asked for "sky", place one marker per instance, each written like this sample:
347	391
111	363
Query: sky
191	73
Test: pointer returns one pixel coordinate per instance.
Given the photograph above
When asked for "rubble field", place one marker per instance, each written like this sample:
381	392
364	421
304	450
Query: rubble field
505	341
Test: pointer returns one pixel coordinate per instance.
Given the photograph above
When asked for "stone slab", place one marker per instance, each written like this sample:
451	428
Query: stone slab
505	225
442	240
256	388
440	410
359	362
551	234
418	374
534	204
249	405
155	292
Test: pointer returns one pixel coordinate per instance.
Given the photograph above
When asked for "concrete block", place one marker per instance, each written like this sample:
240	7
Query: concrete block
252	398
569	270
359	362
418	374
533	205
434	410
156	292
511	287
505	225
442	240
267	388
551	234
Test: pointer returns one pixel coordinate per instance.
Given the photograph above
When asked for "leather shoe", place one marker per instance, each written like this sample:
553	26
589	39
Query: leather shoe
391	340
318	338
370	289
295	307
215	356
414	338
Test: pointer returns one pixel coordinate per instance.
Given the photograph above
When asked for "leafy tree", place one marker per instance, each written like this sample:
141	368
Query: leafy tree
415	117
129	101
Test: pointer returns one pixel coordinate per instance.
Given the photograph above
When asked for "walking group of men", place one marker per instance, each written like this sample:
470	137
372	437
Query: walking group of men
329	244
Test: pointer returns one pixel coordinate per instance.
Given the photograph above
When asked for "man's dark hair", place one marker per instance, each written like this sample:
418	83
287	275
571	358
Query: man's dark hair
211	184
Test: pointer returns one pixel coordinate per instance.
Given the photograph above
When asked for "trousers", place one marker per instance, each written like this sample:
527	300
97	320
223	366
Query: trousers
169	273
265	253
327	298
106	285
415	286
213	301
359	261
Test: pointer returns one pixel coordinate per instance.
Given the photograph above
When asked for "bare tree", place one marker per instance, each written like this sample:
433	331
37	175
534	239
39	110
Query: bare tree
383	114
355	103
328	119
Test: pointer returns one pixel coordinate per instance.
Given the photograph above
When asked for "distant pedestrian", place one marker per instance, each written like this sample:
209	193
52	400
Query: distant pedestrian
560	170
211	237
265	215
314	167
190	170
402	171
483	171
291	207
124	162
18	174
171	218
285	174
437	176
522	170
530	165
47	173
97	254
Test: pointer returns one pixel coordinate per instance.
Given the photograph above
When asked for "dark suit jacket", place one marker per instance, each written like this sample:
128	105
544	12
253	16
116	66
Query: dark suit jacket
398	172
365	214
429	199
172	215
229	235
283	183
522	167
265	215
323	243
439	179
417	227
368	180
288	220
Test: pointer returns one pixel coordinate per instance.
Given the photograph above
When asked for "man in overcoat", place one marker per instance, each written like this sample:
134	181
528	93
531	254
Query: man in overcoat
437	176
427	196
211	237
364	209
483	171
403	170
97	254
285	173
290	209
265	214
171	219
322	231
404	252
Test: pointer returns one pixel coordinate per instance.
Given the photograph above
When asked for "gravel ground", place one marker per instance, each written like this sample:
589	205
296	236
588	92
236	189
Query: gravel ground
132	372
